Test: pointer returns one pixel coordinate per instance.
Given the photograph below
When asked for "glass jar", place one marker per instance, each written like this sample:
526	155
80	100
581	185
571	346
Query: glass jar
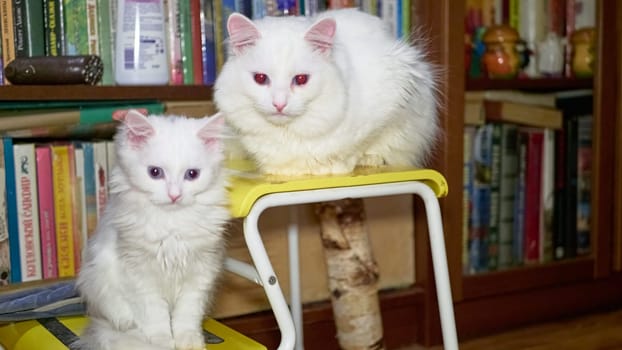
583	52
501	58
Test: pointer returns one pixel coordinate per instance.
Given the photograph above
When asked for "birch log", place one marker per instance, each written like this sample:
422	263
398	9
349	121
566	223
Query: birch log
352	274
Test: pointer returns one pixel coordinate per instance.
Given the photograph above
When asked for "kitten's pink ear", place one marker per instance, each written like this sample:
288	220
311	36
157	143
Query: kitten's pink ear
138	127
242	33
211	133
321	34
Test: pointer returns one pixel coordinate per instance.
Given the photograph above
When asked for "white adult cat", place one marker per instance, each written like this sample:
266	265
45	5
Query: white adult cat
322	95
151	266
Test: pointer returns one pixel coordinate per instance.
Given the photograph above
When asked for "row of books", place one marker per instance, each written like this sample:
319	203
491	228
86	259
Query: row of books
196	29
546	26
44	221
526	180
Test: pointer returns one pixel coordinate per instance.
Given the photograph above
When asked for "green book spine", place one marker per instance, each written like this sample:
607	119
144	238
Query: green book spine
28	15
76	27
185	26
103	114
105	40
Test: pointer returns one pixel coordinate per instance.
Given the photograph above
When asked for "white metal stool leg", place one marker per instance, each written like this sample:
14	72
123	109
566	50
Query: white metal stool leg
268	278
439	260
295	298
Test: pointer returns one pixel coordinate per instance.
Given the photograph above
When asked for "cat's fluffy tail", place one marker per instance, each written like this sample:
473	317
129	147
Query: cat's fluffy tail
99	335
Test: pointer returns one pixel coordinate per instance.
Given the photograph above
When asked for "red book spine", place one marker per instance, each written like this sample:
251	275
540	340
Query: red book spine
533	190
46	212
195	30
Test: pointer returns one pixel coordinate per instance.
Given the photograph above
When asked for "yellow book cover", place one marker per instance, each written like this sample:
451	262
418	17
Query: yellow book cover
63	184
53	333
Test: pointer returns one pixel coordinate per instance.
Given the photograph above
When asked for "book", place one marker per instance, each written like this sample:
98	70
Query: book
25	167
5	257
209	44
507	192
547	199
54	26
100	163
78	117
185	39
92	28
171	19
7	33
11	209
76	27
533	193
545	99
474	108
518	238
467	193
523	114
584	181
196	40
492	236
63	178
90	191
106	47
192	109
46	212
79	196
28	20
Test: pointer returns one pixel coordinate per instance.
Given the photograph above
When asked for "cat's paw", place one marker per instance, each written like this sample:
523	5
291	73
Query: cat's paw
189	340
371	160
162	340
122	318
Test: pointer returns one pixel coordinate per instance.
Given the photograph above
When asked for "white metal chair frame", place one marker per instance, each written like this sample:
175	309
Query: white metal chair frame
262	273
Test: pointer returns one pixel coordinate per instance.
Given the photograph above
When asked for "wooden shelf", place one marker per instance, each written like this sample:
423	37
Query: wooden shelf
544	84
528	277
90	93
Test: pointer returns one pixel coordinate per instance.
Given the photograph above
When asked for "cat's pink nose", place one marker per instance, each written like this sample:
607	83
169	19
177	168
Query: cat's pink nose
174	197
279	106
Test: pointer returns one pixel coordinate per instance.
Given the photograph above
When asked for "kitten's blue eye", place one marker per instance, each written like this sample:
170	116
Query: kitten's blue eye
191	174
261	79
155	172
301	79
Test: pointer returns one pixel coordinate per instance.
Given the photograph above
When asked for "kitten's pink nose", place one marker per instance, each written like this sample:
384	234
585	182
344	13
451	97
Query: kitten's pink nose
174	197
279	106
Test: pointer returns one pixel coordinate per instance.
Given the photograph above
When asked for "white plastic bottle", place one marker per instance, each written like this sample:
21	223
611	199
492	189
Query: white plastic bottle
140	43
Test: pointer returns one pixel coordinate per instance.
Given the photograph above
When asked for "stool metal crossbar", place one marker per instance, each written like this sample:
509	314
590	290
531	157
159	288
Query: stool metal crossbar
251	194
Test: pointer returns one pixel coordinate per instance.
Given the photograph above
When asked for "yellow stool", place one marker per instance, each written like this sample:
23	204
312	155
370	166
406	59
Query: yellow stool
251	194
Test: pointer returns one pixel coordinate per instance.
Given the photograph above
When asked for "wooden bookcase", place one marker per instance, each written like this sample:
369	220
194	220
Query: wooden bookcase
483	303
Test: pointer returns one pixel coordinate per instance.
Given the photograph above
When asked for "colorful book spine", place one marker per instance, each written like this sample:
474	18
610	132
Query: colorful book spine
63	182
92	29
185	31
106	47
507	193
584	183
547	200
90	192
492	238
79	208
533	193
518	238
100	162
76	27
46	212
5	255
28	17
171	17
11	208
7	32
467	193
27	211
209	43
196	40
53	12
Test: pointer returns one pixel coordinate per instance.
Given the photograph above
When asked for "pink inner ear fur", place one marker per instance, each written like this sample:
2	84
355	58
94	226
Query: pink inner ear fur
321	34
242	32
211	133
138	126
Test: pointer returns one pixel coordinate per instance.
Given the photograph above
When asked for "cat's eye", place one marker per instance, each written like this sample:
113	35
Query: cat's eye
191	174
155	172
301	79
261	79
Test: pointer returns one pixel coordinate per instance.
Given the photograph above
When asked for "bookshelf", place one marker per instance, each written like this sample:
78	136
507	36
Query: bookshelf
483	303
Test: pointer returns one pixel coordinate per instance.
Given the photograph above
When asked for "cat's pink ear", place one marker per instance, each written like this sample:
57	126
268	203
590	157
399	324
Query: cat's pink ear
321	34
242	33
211	133
138	127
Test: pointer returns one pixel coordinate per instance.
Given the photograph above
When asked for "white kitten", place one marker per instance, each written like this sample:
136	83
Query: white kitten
322	95
151	266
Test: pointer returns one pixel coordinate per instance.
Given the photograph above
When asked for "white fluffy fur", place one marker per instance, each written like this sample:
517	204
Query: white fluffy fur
151	266
370	99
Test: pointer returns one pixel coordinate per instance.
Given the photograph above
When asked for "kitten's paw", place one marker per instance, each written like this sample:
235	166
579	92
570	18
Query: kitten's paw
122	319
371	160
189	340
162	340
